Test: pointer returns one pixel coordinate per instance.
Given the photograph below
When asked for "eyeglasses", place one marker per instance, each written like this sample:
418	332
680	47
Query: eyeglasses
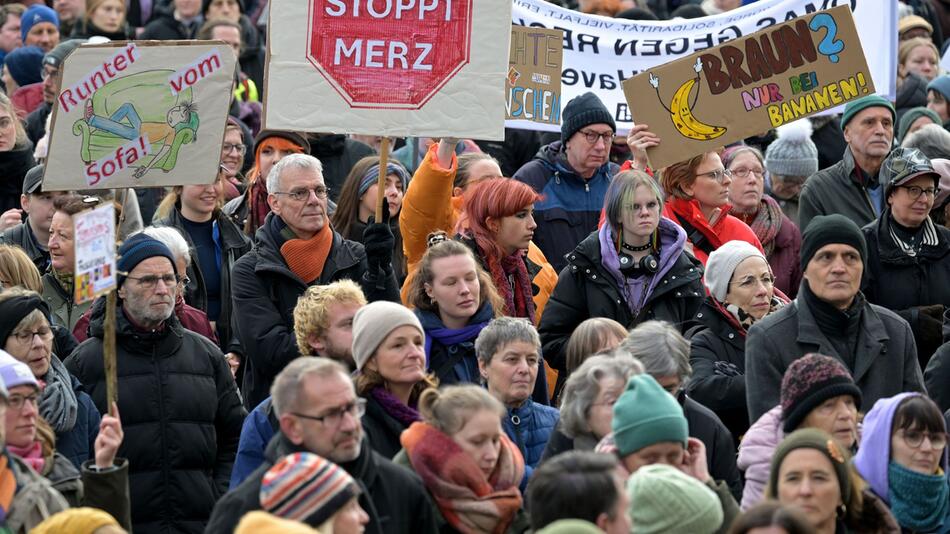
17	401
302	194
915	438
228	147
750	281
718	175
592	137
47	73
149	281
333	418
742	172
915	191
26	336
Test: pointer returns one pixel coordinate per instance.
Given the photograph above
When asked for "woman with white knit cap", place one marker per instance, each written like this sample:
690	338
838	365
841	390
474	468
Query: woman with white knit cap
741	292
790	160
389	351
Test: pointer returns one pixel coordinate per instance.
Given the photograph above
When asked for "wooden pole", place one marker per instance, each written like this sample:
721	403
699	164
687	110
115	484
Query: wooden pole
381	184
108	353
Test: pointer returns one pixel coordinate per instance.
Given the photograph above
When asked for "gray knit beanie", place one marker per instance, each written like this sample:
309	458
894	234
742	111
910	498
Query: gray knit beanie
793	153
722	264
373	322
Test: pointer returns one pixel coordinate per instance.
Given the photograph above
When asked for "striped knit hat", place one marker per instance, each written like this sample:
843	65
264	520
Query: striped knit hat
306	487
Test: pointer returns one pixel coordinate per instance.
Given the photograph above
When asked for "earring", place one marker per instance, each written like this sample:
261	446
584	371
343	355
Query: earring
842	510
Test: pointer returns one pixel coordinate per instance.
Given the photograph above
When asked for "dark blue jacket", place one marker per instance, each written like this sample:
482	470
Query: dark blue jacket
529	427
78	444
571	205
258	429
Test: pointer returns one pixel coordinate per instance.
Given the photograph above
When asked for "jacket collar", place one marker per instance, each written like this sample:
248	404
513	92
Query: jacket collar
891	252
711	317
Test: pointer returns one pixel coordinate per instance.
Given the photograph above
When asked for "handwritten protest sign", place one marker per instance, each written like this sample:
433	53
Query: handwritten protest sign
140	114
95	252
747	86
388	67
601	52
534	75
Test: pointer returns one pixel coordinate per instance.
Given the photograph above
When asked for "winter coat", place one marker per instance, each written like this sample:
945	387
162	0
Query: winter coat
394	497
937	377
164	27
912	93
26	99
61	305
259	427
784	260
13	166
529	426
338	153
720	449
34	500
382	429
357	228
586	289
182	416
885	361
36	123
78	444
190	317
265	293
252	54
755	455
232	245
559	443
429	206
84	29
904	283
22	236
455	363
570	207
829	140
837	190
717	340
704	235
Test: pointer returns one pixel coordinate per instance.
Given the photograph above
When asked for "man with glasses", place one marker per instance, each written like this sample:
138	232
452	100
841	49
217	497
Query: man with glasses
175	390
319	412
572	175
908	263
297	248
853	187
831	316
52	79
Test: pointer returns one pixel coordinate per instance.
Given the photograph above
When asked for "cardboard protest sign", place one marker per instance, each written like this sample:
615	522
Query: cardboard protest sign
94	234
388	67
533	83
140	114
747	86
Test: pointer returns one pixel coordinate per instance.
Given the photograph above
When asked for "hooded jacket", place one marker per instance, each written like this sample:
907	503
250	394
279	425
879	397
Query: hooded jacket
586	289
570	207
182	417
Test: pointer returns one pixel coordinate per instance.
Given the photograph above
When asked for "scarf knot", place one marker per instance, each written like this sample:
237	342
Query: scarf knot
919	502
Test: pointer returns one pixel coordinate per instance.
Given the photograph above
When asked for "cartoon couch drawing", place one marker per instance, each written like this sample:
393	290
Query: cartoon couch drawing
140	104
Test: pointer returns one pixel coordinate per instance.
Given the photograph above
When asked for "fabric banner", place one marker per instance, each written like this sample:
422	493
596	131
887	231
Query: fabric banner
601	52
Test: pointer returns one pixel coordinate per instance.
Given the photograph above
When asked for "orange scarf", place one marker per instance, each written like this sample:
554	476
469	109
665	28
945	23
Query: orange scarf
306	257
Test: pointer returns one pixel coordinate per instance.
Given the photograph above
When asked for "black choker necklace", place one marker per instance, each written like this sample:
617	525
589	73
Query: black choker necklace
636	249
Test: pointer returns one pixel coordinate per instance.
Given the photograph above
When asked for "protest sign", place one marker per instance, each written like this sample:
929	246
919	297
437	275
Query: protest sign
128	114
94	232
533	83
601	52
388	67
747	86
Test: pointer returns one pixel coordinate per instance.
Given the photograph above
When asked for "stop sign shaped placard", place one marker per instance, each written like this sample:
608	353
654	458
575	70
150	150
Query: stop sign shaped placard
389	53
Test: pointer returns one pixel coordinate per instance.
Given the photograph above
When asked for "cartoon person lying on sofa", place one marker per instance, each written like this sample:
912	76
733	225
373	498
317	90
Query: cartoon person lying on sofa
182	116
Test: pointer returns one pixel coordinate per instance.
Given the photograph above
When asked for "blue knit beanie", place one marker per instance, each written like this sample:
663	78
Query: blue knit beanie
137	249
25	65
34	15
941	84
582	111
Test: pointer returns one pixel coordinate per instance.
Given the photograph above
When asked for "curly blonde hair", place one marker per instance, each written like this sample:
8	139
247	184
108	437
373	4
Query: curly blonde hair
312	315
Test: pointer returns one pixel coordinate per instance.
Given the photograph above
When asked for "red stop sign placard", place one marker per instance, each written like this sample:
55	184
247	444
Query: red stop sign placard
389	53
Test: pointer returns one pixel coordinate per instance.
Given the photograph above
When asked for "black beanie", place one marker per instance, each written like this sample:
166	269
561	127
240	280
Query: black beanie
831	229
205	4
582	111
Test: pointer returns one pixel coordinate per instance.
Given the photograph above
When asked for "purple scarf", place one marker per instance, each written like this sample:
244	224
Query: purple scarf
394	407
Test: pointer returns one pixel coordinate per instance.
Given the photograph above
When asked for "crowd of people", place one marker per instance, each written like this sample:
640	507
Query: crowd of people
543	334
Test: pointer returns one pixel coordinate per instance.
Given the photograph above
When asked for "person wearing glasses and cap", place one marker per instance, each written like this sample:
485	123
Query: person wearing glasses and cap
908	262
173	384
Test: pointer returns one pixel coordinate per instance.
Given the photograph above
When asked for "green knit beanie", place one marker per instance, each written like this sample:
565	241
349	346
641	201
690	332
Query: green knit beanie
570	526
646	414
911	116
856	106
665	500
821	441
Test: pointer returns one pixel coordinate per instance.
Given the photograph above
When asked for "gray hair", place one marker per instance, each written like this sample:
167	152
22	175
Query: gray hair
661	349
502	331
583	386
294	161
931	139
288	385
171	237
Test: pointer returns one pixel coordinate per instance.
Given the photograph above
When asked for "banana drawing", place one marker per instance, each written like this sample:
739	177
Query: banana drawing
681	111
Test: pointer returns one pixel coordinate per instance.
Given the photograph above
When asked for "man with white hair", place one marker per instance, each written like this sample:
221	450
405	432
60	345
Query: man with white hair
296	248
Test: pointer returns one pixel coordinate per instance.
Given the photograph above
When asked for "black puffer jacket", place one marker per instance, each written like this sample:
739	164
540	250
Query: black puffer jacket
182	417
13	166
265	292
585	289
911	94
903	283
165	27
234	244
393	497
718	340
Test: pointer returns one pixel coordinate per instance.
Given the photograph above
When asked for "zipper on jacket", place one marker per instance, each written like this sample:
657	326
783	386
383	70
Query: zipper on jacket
162	423
516	422
587	187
